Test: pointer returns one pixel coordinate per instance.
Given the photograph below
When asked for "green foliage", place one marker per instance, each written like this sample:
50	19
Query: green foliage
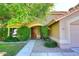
23	33
23	12
11	39
3	33
4	11
5	14
50	43
44	32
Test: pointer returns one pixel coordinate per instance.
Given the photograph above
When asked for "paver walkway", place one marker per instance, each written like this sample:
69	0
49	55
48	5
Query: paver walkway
76	49
40	50
37	48
26	51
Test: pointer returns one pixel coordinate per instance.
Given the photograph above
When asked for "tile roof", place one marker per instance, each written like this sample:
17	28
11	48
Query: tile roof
68	13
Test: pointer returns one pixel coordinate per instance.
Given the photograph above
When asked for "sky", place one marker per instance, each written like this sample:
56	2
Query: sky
60	5
64	6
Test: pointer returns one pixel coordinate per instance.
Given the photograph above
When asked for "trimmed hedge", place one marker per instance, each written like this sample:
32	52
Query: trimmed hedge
3	33
23	33
44	32
50	43
11	39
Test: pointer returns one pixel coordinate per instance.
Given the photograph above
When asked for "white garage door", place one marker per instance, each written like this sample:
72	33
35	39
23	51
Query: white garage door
74	35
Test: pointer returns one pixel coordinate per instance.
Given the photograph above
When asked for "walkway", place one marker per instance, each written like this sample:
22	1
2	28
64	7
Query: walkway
26	51
37	48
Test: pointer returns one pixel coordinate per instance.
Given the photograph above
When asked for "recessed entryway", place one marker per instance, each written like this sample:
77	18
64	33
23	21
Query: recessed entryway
35	32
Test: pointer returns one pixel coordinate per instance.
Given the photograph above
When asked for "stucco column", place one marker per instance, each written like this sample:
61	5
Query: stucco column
8	31
64	41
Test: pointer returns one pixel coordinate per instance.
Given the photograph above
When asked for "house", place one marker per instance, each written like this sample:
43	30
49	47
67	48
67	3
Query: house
35	29
34	25
65	29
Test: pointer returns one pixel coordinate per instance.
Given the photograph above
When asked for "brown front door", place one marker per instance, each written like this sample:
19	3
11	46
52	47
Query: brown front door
33	34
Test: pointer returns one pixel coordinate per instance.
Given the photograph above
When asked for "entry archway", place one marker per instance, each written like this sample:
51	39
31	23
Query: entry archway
35	29
35	32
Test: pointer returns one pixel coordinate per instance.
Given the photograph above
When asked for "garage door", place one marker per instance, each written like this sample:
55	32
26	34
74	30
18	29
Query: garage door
74	35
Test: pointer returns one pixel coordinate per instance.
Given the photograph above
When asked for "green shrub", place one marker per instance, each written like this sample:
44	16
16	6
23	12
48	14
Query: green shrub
3	33
23	33
44	32
50	43
11	39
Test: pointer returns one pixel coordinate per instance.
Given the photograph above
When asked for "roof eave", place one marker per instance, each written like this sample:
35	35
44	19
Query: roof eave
52	22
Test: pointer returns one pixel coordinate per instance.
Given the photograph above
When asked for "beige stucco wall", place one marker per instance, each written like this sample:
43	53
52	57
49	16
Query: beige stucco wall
54	31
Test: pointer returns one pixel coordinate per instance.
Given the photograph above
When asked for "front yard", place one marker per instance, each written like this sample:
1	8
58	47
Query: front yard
11	49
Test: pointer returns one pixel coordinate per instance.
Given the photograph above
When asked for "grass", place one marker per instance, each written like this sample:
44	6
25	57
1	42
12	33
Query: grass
11	48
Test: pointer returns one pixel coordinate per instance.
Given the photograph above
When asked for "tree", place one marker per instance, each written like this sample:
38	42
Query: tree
12	13
25	12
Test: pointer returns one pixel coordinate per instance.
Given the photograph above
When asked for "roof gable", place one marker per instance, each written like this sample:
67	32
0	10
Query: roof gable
70	12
